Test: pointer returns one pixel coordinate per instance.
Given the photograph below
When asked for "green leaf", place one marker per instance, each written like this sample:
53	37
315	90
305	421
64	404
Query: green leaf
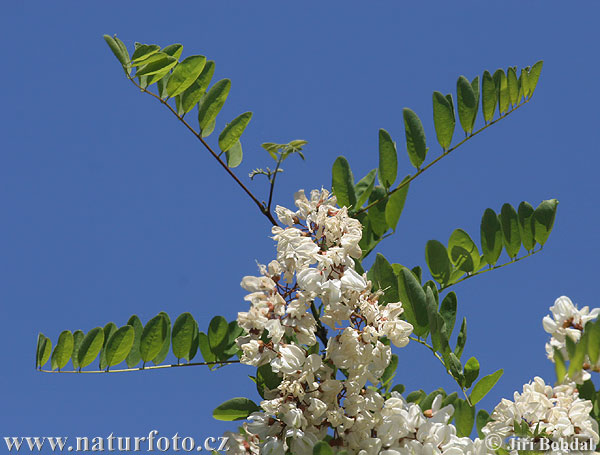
174	50
576	361
571	347
78	336
453	364
234	155
377	212
158	66
526	225
119	345
161	87
418	273
484	385
390	370
143	51
475	87
415	397
395	205
235	409
543	218
342	182
44	349
438	262
118	50
593	329
205	350
411	292
510	230
559	365
467	104
233	131
134	356
164	350
491	236
153	337
109	329
90	346
194	348
63	350
383	277
513	86
534	75
415	138
194	93
489	96
443	119
217	334
266	379
463	251
209	129
471	371
426	403
448	312
364	187
461	340
388	159
184	74
213	103
322	448
481	421
524	82
501	90
183	335
464	418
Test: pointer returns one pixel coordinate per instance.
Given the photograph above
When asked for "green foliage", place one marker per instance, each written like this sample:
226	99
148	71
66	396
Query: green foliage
342	182
489	96
415	138
388	159
213	103
185	74
119	345
235	409
443	119
485	384
464	418
322	448
467	104
63	350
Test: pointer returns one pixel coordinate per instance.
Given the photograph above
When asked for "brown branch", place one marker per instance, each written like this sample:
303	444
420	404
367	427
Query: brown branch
155	367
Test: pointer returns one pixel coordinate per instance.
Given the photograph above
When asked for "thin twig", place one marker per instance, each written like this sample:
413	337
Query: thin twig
155	367
264	210
444	154
273	183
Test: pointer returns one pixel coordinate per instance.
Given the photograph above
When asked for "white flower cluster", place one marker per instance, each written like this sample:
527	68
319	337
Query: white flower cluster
567	321
556	412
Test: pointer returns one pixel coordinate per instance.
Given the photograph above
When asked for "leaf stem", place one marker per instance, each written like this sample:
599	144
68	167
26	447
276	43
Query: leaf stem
273	182
143	368
264	210
444	154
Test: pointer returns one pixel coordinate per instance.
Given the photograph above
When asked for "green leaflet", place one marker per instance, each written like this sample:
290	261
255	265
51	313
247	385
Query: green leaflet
576	360
235	409
157	67
510	230
471	371
481	421
461	340
593	347
559	365
117	49
383	277
395	205
213	103
62	351
534	76
410	290
543	218
491	236
464	418
443	119
438	262
448	312
204	346
194	93
78	336
342	182
185	332
217	334
174	50
526	225
43	351
364	187
153	336
184	74
388	159
164	350
134	356
109	329
119	345
90	346
513	86
390	370
484	385
489	96
463	251
415	138
376	213
322	448
467	104
234	155
233	131
502	90
143	51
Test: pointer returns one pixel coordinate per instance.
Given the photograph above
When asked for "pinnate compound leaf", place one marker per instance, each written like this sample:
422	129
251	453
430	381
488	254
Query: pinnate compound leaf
213	103
184	74
342	182
235	409
484	385
233	131
415	137
543	217
443	119
63	350
119	345
491	236
388	159
90	346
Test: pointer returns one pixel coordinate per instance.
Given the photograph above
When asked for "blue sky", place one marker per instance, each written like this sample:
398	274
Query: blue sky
111	208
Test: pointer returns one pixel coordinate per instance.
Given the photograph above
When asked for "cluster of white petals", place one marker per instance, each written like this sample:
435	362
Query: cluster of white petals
556	412
565	321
